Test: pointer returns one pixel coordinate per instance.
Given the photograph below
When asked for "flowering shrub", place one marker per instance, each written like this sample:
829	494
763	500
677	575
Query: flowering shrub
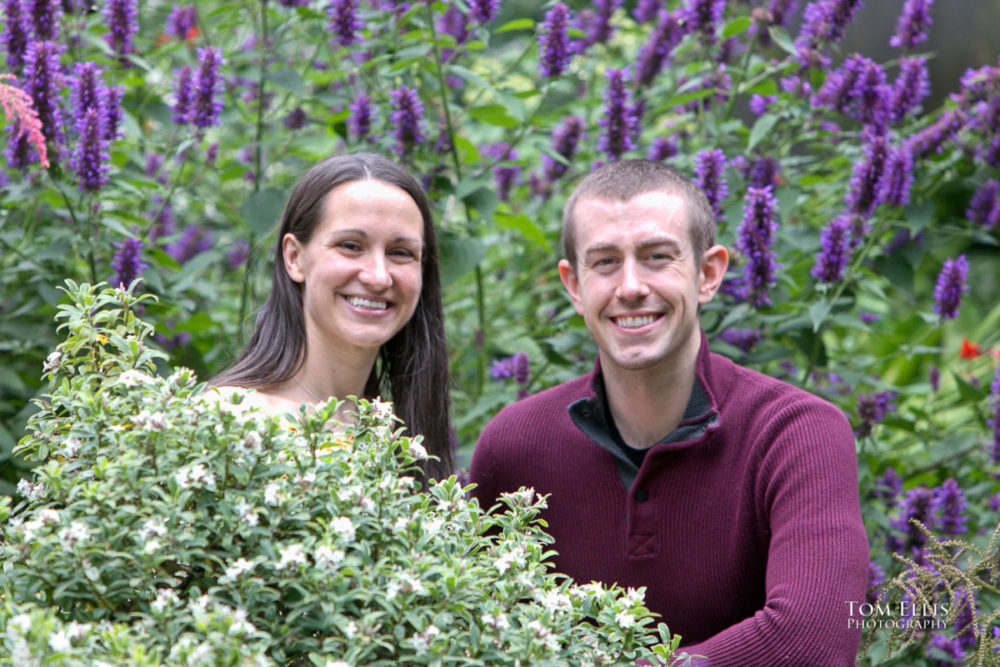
168	524
862	208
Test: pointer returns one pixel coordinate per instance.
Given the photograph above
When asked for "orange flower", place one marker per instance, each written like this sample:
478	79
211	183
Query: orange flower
969	350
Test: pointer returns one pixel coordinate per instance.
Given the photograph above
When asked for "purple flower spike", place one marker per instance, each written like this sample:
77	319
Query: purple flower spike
984	207
565	138
917	505
756	234
553	42
620	121
595	24
43	80
522	368
502	369
236	256
646	10
994	419
193	241
823	22
87	89
123	24
344	22
407	111
949	505
90	159
182	22
507	173
910	88
911	29
360	121
835	251
876	577
113	112
704	16
743	339
932	138
759	104
708	167
662	148
127	262
656	52
44	16
763	173
16	34
889	486
207	103
952	284
941	644
296	119
898	177
866	180
183	95
484	11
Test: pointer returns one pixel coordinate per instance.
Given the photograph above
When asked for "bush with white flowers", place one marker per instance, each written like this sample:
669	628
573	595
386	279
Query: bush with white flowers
169	524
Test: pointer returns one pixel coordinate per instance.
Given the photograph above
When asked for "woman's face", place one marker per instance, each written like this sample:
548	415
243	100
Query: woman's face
361	271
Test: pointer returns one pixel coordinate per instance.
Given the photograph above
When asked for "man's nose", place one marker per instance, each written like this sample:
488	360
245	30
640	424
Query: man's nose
633	285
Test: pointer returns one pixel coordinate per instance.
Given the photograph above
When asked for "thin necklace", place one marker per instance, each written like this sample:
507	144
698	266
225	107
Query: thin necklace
306	389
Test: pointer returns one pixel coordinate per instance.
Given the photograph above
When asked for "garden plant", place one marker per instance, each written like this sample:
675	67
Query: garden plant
158	140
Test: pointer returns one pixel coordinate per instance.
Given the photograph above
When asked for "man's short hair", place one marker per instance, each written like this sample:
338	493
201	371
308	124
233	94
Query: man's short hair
625	179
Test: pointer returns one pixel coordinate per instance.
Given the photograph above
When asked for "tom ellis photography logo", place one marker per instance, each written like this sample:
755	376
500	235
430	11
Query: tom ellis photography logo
901	615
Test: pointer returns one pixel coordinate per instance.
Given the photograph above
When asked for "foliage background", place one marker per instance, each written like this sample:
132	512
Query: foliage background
203	201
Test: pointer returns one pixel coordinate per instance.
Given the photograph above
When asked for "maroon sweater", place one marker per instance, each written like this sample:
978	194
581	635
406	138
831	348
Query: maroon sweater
744	527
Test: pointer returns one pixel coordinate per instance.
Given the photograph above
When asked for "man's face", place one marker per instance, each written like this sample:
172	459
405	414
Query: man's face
638	282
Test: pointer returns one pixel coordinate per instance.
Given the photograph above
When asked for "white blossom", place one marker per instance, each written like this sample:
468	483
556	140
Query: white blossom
164	597
344	527
337	663
59	642
432	526
152	528
52	361
30	490
382	409
49	515
155	421
327	557
240	623
305	481
74	533
291	555
247	512
401	524
271	495
71	448
499	621
555	601
21	622
238	568
199	605
625	619
151	546
134	378
417	450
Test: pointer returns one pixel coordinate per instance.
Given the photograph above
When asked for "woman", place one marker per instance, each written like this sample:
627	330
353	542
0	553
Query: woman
355	306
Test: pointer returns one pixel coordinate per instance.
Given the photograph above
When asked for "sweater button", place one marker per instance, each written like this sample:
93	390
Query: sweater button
642	495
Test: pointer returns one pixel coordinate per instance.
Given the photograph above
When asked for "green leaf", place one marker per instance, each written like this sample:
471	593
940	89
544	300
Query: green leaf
736	26
262	210
522	223
459	256
684	98
818	312
288	79
761	128
516	24
493	114
781	38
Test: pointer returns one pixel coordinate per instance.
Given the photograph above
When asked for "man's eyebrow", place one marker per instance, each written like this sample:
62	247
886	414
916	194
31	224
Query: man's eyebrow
662	241
599	248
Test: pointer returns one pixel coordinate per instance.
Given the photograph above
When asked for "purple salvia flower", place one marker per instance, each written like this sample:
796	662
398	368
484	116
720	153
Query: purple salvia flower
87	89
211	154
869	317
296	119
123	24
912	85
755	237
941	644
911	29
934	378
295	3
344	22
484	11
876	577
565	138
522	368
662	148
872	94
193	241
453	22
742	339
507	175
595	24
840	88
502	369
236	256
207	103
619	122
932	138
127	262
182	22
889	486
655	53
708	168
949	505
795	85
704	16
646	10
835	251
183	95
90	159
113	111
16	34
993	419
984	207
964	627
43	80
775	14
952	284
898	177
866	180
918	506
44	18
553	42
407	111
823	22
763	172
759	104
163	219
360	121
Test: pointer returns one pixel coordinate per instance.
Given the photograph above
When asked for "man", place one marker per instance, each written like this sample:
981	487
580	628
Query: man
732	497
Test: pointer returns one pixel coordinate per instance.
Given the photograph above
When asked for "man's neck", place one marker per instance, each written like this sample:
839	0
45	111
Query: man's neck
647	405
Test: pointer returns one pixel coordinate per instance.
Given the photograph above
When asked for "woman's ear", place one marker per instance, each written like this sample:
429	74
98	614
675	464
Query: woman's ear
291	251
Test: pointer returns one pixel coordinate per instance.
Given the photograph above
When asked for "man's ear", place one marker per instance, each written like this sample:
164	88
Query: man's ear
291	251
713	269
571	283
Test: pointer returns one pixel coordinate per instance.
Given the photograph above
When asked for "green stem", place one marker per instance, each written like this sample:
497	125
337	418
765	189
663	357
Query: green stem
260	95
734	90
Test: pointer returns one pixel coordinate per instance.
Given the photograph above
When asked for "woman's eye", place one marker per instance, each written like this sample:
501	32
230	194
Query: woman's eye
349	246
403	253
